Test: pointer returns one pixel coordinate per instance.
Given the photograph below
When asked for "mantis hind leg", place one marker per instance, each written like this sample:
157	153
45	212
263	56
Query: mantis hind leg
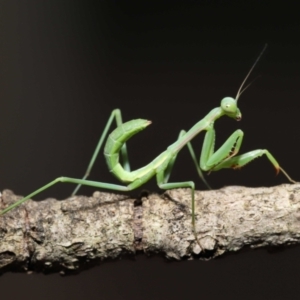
116	114
96	184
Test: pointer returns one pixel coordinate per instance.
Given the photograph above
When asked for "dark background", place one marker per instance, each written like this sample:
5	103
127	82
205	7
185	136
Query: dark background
65	65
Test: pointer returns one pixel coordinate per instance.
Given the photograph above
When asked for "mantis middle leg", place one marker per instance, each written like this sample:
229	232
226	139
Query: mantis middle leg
163	177
193	155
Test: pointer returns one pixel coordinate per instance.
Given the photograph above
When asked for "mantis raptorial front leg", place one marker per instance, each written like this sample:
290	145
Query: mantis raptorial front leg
161	166
225	156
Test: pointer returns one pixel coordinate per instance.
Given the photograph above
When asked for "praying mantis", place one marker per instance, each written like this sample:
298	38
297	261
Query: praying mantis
161	166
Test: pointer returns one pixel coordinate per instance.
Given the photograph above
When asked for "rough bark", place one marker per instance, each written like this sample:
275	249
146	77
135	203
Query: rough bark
78	232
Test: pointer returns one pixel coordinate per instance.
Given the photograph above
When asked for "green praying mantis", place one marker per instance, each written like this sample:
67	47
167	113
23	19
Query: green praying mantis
161	166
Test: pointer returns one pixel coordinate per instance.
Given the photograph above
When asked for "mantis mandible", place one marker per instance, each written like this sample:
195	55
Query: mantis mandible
161	166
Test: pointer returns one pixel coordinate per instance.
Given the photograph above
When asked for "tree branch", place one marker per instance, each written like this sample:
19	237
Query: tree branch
79	232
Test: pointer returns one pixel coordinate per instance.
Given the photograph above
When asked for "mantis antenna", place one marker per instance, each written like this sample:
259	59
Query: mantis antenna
240	91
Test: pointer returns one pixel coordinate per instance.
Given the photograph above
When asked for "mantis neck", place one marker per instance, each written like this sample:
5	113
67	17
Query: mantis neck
203	124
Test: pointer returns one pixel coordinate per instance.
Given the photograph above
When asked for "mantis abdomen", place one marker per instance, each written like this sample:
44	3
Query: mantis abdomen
115	142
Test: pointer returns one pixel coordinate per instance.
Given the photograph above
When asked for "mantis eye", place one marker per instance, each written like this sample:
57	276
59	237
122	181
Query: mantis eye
228	104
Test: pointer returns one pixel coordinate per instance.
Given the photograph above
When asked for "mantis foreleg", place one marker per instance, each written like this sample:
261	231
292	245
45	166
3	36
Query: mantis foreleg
225	157
210	160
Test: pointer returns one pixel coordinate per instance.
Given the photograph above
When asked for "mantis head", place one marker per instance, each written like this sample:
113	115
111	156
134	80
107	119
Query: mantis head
229	107
229	104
